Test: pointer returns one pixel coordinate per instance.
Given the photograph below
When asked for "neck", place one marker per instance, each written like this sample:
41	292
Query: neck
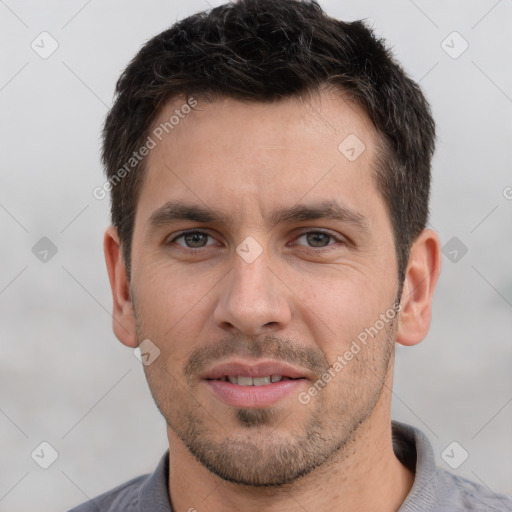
364	475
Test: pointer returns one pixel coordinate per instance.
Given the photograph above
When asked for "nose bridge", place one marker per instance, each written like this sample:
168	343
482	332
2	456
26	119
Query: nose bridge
252	279
252	298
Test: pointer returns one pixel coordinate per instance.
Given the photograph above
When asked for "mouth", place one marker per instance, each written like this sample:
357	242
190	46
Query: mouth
259	384
244	380
254	373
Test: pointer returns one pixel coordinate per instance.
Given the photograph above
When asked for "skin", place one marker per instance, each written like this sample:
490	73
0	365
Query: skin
303	300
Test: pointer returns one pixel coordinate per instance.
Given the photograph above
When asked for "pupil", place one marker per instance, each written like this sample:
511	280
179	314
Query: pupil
314	238
195	239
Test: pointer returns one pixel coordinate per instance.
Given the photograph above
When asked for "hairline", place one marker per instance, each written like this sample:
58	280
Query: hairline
383	156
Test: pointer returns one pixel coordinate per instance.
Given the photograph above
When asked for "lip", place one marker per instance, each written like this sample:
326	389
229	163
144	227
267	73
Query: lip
253	396
254	369
267	395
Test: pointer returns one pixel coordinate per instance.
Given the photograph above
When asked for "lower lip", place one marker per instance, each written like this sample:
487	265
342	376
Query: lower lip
254	396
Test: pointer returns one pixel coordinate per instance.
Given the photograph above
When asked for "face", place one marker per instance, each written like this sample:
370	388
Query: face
262	250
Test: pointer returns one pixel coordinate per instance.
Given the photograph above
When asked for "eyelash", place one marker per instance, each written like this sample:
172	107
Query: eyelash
315	231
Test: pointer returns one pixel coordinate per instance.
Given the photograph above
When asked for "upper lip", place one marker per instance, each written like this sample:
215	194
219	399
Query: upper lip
253	369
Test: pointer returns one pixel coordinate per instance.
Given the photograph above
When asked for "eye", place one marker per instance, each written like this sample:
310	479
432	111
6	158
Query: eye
318	239
199	239
192	239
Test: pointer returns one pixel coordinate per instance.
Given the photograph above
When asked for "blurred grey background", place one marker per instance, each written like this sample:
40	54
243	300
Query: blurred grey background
66	380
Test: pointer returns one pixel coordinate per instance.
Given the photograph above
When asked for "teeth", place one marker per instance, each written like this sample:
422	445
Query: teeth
260	381
244	381
254	381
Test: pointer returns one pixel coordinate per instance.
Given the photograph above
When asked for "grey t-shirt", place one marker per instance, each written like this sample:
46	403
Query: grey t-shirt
434	489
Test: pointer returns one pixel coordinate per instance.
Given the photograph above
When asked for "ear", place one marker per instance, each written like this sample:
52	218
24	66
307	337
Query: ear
123	318
421	276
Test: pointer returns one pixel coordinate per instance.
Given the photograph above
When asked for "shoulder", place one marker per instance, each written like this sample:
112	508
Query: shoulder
146	492
123	497
465	495
437	489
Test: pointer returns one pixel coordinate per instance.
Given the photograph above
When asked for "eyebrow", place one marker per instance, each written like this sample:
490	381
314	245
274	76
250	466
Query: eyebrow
173	211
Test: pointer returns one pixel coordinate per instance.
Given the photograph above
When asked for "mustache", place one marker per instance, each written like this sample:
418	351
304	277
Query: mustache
253	348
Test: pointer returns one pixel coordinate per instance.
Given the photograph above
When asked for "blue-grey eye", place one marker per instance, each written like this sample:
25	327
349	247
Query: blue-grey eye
316	238
193	240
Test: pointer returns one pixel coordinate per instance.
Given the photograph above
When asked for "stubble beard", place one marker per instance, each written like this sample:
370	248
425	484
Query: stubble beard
258	453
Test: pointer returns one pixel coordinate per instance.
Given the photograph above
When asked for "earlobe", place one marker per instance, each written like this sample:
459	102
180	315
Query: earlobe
421	276
123	319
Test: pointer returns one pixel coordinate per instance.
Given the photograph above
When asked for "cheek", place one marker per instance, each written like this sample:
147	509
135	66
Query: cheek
174	309
166	295
337	312
341	299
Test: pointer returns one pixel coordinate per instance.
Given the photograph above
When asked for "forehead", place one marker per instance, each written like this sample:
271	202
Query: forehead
249	158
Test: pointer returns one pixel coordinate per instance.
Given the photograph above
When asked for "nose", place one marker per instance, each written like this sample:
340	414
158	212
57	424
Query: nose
253	299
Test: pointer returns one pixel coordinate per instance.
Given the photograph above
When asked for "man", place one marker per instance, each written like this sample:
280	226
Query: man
269	169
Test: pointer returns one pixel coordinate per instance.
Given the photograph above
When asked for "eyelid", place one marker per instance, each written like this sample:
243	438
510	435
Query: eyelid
172	239
338	238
